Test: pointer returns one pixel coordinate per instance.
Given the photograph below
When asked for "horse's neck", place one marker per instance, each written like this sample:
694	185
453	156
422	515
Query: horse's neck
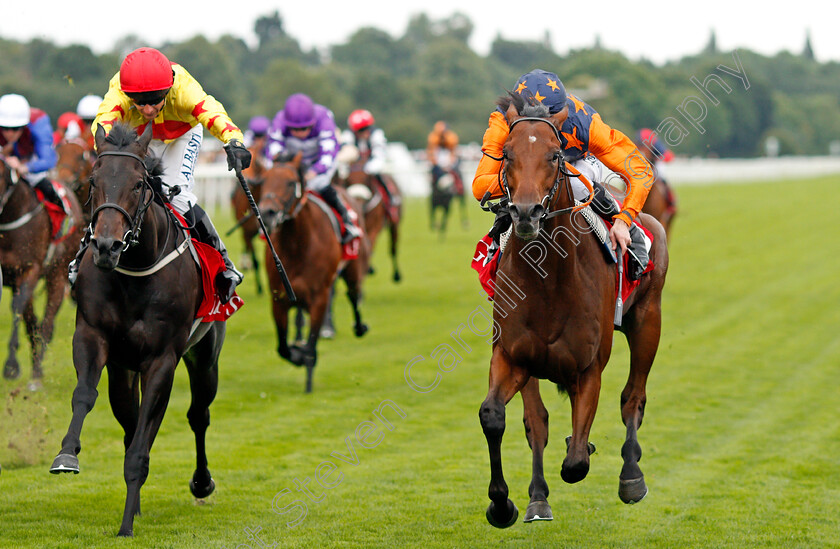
551	260
155	232
21	200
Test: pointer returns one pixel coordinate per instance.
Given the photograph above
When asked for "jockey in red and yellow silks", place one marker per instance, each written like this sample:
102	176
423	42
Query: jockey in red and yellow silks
151	89
583	134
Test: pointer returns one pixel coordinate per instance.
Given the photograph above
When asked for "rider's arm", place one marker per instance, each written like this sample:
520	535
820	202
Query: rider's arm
44	158
487	174
205	108
327	141
378	152
619	154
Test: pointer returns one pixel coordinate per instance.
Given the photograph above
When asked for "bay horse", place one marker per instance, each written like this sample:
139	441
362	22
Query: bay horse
27	254
375	210
137	296
245	219
75	162
556	322
305	240
443	191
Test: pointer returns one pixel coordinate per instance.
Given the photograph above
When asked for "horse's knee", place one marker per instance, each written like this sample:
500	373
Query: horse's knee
198	419
492	417
136	467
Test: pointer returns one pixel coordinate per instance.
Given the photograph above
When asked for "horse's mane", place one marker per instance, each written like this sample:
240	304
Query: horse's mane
122	135
526	104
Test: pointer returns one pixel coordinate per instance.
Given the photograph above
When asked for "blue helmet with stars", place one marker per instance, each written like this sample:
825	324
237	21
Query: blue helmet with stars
545	87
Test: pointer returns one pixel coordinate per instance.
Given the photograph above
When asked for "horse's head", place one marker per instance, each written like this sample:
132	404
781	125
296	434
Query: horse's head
282	191
533	162
73	166
120	192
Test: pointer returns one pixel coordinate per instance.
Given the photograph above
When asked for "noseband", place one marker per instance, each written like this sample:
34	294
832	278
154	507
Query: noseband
132	235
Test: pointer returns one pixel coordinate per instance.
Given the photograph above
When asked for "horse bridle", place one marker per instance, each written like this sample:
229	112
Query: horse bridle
132	235
560	175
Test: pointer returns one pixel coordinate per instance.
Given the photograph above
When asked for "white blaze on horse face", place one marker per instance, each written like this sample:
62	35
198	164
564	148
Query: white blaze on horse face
532	139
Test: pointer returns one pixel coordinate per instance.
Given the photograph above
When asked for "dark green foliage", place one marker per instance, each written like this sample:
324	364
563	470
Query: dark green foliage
430	73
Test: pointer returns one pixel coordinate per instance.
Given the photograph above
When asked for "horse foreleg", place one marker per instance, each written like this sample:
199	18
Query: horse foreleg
353	278
21	299
203	366
309	353
256	263
89	354
55	284
506	379
280	311
394	232
584	399
643	339
156	388
536	431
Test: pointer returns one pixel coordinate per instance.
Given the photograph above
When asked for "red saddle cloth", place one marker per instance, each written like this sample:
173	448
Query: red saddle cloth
486	262
211	263
350	250
59	228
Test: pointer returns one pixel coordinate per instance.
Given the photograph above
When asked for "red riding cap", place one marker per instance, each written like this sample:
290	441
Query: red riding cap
145	70
360	119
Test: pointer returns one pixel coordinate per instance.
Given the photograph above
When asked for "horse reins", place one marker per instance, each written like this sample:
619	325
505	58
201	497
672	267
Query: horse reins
25	218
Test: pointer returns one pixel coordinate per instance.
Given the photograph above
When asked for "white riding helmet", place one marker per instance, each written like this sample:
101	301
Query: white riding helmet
88	106
14	111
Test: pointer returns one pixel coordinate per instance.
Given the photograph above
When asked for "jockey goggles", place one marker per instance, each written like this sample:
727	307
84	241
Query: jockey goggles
142	99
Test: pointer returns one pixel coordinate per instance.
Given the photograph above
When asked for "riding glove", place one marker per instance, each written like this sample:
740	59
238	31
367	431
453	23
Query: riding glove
237	155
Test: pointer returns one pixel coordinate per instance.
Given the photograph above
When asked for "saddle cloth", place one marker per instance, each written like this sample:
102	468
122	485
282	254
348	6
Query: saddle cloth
349	250
60	222
211	264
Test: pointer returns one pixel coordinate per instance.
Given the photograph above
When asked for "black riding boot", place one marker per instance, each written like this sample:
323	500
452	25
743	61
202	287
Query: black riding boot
45	186
330	196
605	206
205	232
73	268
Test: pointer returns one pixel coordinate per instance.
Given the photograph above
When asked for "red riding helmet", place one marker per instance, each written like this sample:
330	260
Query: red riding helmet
360	119
145	70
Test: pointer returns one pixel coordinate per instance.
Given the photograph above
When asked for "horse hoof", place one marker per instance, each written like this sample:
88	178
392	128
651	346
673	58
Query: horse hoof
360	329
202	492
11	371
538	510
632	491
65	463
296	355
397	276
511	509
371	270
327	333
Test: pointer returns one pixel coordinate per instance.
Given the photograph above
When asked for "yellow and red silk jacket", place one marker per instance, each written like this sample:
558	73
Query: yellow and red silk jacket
582	133
187	104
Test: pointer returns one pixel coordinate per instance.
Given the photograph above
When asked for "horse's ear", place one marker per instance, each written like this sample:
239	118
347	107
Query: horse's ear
511	114
100	136
560	117
297	159
146	138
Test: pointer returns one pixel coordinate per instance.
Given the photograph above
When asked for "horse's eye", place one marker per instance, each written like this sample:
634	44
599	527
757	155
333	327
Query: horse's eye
556	156
138	186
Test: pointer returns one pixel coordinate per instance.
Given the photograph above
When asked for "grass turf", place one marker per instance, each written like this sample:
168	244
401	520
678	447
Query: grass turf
740	440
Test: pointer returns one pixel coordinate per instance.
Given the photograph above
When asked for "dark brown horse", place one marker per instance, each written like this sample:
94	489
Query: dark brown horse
26	256
73	168
254	176
305	240
554	311
137	294
374	207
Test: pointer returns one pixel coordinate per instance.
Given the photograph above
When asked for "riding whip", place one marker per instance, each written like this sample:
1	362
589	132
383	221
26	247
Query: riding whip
283	276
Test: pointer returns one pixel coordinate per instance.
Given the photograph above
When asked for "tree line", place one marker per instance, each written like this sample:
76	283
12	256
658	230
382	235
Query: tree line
430	73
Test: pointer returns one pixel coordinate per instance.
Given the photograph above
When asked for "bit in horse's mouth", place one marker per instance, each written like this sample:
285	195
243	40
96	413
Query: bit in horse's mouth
526	230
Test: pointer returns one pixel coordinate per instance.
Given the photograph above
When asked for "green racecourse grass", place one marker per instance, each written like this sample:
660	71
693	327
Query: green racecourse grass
741	439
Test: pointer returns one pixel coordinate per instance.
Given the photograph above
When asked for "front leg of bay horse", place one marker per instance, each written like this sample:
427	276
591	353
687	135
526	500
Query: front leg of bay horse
394	231
55	280
309	353
643	338
584	400
280	310
89	355
506	378
536	431
203	366
353	276
157	378
21	300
